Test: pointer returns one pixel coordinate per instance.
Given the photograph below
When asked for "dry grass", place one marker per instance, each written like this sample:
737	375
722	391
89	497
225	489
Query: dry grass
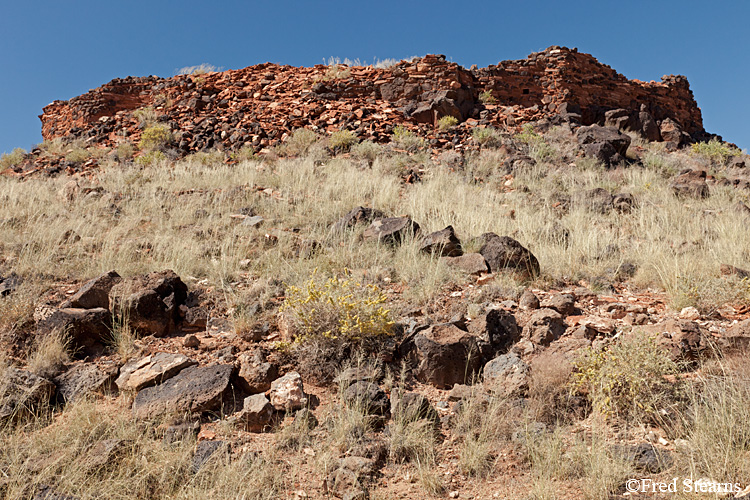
50	354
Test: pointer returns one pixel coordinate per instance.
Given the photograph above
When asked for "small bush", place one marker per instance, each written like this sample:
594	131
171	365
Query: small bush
339	309
447	122
336	71
486	97
150	158
535	144
155	138
145	116
15	157
627	379
715	151
366	150
406	139
77	155
124	151
200	69
342	140
245	153
486	137
207	158
50	354
298	143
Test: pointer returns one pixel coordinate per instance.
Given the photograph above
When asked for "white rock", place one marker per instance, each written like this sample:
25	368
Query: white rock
287	392
690	313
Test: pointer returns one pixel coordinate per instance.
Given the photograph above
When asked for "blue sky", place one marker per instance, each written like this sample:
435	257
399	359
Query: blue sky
56	50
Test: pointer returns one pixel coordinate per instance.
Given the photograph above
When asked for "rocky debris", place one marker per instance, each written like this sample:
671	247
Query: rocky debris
151	370
446	355
287	393
256	374
690	184
596	200
528	301
368	397
88	329
544	326
412	406
623	202
150	303
470	263
256	414
94	293
196	389
366	372
105	453
564	303
640	122
244	108
9	284
180	432
606	144
737	337
727	270
443	243
505	253
644	457
506	375
358	215
496	327
191	342
671	132
209	450
390	230
85	378
23	393
685	340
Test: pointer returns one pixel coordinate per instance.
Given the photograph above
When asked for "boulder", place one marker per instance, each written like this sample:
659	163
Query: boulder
671	132
256	414
287	392
256	374
85	378
149	303
564	303
390	230
9	284
208	450
496	327
528	301
684	340
690	184
88	329
358	215
196	389
505	253
443	243
23	393
544	326
606	144
366	372
446	355
507	375
470	263
413	406
368	397
623	202
94	293
151	370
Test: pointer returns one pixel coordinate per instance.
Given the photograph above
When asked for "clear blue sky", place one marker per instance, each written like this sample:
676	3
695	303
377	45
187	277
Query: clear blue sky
56	50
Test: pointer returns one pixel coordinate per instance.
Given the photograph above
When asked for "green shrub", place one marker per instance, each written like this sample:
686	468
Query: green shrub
715	151
535	144
145	116
486	137
155	137
447	122
207	158
627	379
15	157
150	158
77	155
486	97
342	140
124	151
366	150
298	143
336	309
406	139
245	153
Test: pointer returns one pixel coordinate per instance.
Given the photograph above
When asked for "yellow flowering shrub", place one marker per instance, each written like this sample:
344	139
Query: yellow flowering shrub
337	309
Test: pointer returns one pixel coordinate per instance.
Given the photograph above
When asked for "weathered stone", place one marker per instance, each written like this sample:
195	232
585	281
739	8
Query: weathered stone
209	450
151	370
443	243
85	378
256	414
503	252
9	284
597	200
358	215
94	293
607	144
23	393
391	230
88	329
528	300
446	355
412	406
287	392
180	432
506	375
623	202
644	457
564	303
196	389
690	184
366	372
544	326
150	303
255	373
105	453
305	418
470	263
367	397
496	327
